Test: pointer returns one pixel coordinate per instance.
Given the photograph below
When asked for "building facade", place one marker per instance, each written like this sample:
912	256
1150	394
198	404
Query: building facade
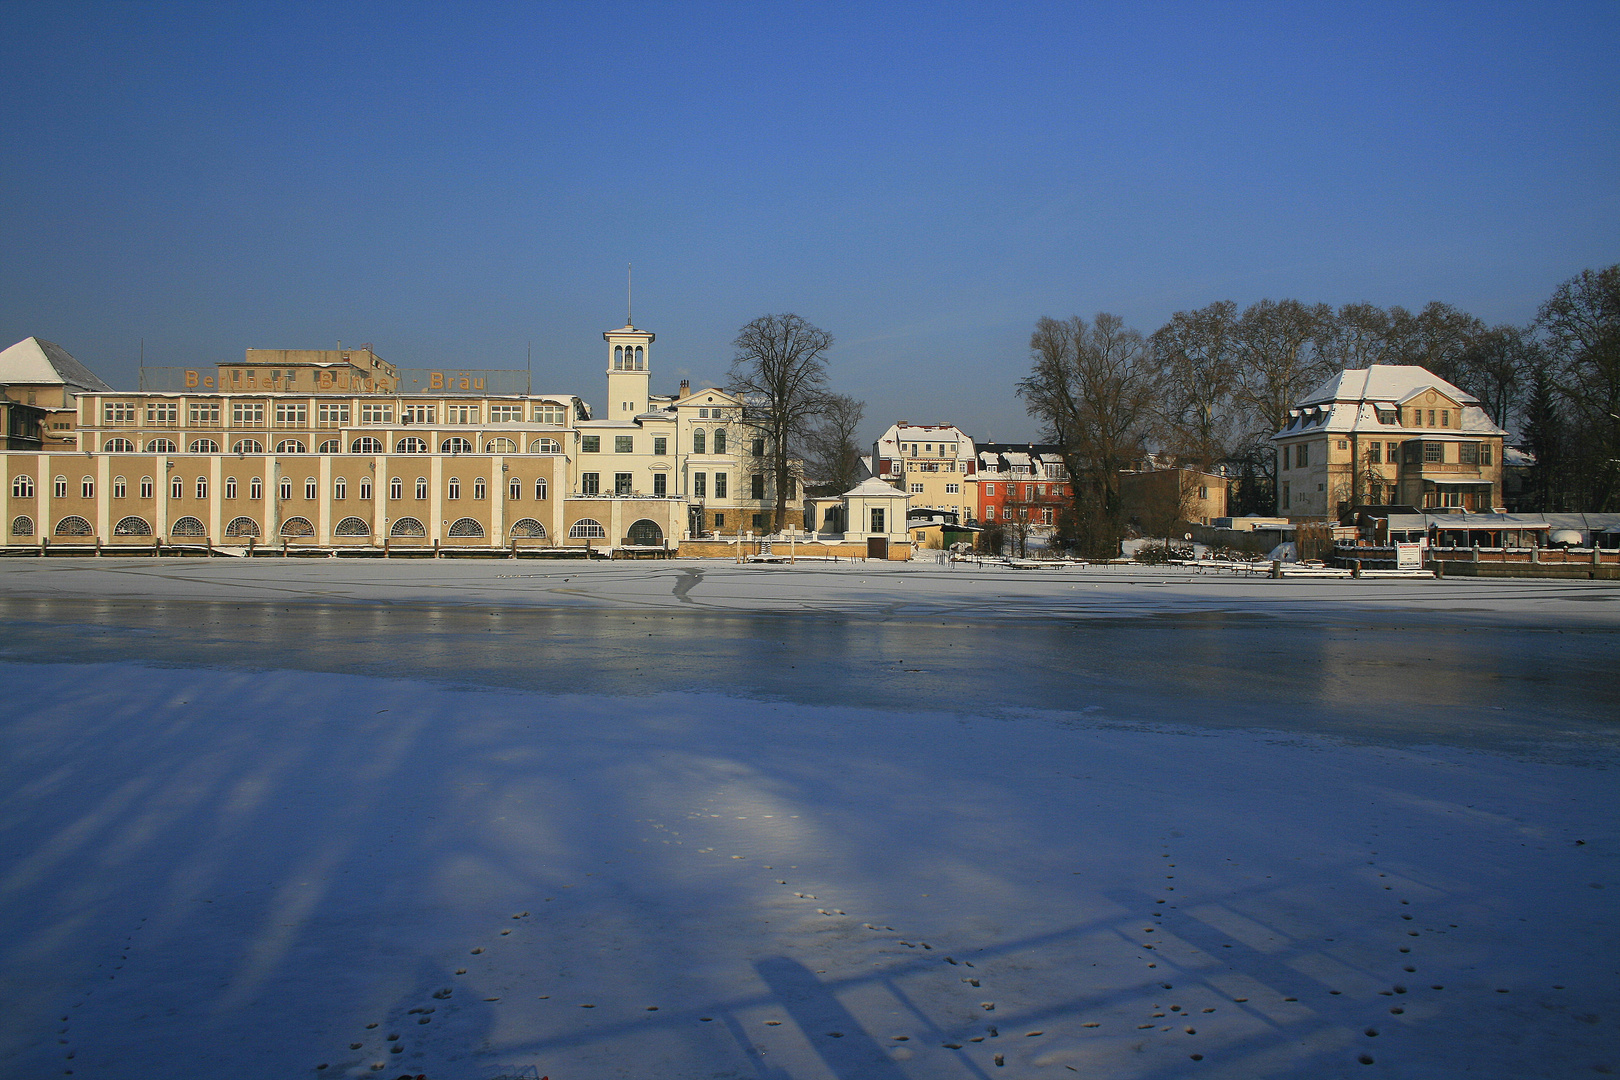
1021	485
320	447
1387	434
932	463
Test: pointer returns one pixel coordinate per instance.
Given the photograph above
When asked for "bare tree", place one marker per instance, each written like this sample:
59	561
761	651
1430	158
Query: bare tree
1580	324
1198	353
780	372
1278	363
834	456
1358	335
1437	338
1093	388
1495	368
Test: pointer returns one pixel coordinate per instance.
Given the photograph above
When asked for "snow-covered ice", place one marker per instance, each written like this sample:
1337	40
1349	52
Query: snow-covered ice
698	820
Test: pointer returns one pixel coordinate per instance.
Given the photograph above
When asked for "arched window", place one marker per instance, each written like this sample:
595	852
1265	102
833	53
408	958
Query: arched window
528	529
73	525
340	489
365	488
719	440
209	446
421	487
330	446
396	488
479	489
22	525
177	488
466	527
500	446
59	487
23	488
646	533
187	526
540	488
118	446
146	487
132	526
297	526
310	488
353	526
202	487
285	487
161	446
366	445
407	526
120	487
454	488
246	446
255	489
545	446
412	445
514	489
618	358
242	526
700	442
87	487
289	446
230	487
641	359
587	529
456	445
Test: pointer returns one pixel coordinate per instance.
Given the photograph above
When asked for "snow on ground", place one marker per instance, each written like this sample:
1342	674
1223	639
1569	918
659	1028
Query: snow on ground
336	819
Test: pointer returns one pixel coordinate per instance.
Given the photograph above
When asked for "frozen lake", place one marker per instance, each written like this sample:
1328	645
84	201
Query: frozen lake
696	819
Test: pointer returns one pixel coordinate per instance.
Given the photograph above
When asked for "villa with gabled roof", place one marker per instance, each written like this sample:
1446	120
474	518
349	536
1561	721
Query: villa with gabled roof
1388	434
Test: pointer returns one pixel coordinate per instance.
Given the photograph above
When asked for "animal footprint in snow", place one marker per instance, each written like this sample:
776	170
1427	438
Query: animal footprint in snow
443	993
988	1006
478	950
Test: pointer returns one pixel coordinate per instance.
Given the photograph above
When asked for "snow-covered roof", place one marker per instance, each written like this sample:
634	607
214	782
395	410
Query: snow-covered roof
1385	383
34	360
874	487
1361	400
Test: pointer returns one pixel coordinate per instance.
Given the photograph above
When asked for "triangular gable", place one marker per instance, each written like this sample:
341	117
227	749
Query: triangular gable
1431	397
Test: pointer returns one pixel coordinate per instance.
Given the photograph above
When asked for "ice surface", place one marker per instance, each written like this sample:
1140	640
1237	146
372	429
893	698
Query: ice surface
695	820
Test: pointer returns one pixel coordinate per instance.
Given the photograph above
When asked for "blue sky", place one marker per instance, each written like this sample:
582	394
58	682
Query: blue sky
452	182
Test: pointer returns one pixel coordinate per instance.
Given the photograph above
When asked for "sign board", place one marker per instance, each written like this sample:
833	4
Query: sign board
1408	556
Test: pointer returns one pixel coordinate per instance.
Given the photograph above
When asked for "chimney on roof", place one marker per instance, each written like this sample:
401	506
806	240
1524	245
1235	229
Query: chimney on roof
686	387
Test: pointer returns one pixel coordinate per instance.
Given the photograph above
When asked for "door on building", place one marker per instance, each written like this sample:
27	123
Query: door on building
877	547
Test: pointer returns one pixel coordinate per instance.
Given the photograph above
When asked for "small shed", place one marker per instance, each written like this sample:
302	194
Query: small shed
875	512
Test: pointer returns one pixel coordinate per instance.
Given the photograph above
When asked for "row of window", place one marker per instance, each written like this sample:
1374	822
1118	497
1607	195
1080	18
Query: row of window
1468	453
642	532
928	448
366	445
626	444
22	487
1008	514
1031	491
329	414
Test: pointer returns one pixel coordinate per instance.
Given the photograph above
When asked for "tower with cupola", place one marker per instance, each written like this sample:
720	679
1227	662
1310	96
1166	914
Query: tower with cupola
627	373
